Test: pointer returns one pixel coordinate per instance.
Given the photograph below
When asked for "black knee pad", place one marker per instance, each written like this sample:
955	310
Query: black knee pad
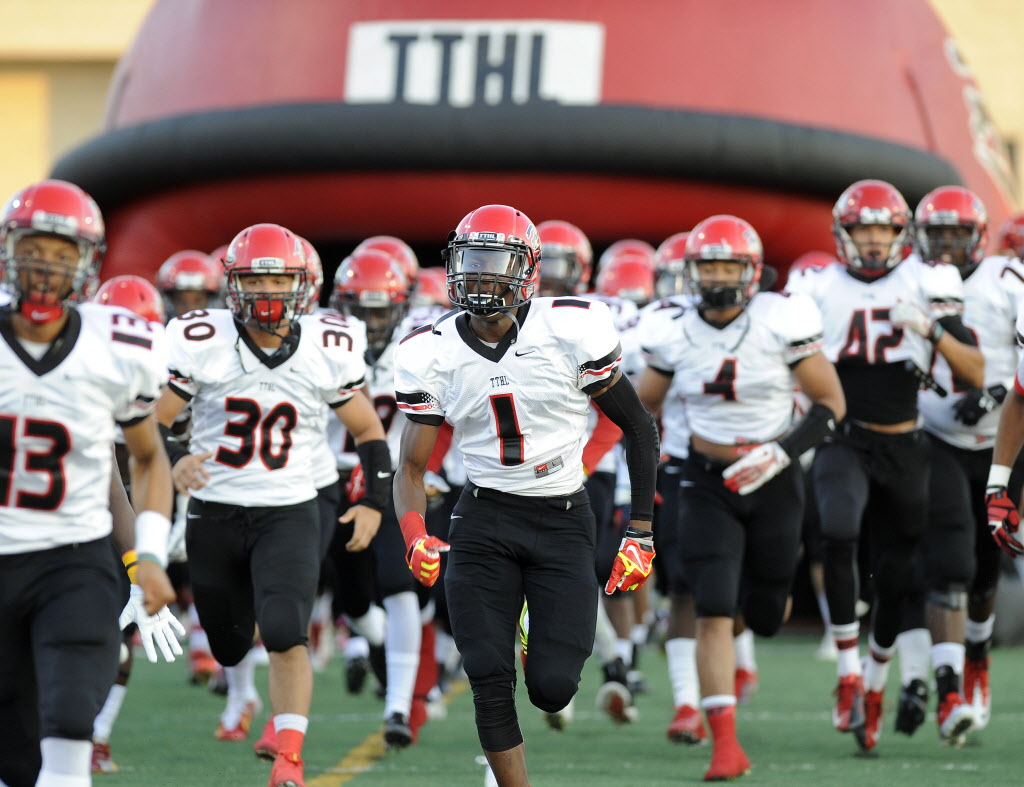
550	689
229	649
496	721
282	624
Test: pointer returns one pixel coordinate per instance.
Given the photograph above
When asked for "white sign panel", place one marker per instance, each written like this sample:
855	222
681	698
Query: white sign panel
463	63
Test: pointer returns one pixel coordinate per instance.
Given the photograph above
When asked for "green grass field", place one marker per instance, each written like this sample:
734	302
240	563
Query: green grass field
165	736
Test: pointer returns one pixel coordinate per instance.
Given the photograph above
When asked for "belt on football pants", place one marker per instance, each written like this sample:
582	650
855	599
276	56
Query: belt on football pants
558	502
707	463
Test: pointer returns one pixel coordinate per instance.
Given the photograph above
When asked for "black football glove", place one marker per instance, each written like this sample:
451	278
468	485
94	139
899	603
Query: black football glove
977	402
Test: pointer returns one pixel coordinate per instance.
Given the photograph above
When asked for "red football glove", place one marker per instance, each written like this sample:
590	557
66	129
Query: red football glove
355	487
633	563
423	552
1003	520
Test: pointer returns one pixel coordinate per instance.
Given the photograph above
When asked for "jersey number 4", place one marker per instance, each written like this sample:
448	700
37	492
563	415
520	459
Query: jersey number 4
724	383
49	462
282	415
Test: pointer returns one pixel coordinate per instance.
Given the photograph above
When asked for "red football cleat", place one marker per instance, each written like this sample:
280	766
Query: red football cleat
266	746
687	726
955	718
728	761
746	685
976	691
848	713
287	771
868	735
101	760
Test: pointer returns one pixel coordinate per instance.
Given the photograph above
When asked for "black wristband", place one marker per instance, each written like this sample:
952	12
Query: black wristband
375	458
174	448
819	422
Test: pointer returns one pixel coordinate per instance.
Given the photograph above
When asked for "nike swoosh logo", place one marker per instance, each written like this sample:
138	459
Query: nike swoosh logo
525	352
191	516
381	474
686	483
456	516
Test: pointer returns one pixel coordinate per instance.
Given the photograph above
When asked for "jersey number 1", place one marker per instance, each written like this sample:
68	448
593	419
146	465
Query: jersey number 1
507	423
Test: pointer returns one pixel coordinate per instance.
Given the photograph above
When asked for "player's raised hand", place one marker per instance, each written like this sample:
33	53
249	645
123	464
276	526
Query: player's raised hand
189	473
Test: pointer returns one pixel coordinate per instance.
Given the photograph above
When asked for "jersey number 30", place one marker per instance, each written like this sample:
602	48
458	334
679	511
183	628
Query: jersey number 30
282	415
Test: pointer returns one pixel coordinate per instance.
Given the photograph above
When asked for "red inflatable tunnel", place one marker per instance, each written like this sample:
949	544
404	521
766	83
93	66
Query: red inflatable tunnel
343	120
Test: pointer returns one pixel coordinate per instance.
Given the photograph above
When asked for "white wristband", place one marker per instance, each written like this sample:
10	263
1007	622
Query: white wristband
999	475
152	530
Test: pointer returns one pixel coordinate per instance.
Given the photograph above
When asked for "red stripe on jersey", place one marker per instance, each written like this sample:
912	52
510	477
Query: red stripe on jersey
414	407
605	370
1017	385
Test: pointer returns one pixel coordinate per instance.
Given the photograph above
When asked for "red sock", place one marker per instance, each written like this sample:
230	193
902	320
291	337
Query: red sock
290	741
722	720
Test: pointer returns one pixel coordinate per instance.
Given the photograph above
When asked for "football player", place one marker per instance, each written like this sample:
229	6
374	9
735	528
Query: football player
514	375
885	315
72	372
191	280
733	360
962	559
256	375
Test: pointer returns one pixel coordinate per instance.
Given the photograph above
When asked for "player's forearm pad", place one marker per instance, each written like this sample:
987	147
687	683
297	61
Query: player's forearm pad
818	424
640	438
376	461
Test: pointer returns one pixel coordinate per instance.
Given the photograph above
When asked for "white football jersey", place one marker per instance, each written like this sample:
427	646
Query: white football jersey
735	381
58	417
519	410
993	295
656	320
262	414
856	313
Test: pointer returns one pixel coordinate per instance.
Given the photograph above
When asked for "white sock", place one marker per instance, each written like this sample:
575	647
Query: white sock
717	701
624	651
823	609
66	763
980	632
104	721
914	647
948	654
876	670
743	644
444	643
604	635
427	613
371	625
291	721
682	670
197	639
356	648
241	681
638	634
848	659
402	647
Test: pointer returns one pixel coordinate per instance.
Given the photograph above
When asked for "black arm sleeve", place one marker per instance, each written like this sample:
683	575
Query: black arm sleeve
640	437
955	327
376	461
174	448
819	422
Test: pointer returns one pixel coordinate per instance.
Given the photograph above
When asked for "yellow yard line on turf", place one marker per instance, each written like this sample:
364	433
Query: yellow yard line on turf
368	753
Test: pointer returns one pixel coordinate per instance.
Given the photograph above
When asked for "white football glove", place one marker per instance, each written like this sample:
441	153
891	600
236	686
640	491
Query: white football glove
155	630
756	468
909	315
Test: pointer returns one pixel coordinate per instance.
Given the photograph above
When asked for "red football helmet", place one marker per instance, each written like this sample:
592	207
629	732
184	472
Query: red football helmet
812	259
314	277
432	289
627	246
54	209
399	250
134	294
670	266
266	250
1011	236
492	260
729	239
869	202
371	286
191	280
628	276
951	226
220	253
566	258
